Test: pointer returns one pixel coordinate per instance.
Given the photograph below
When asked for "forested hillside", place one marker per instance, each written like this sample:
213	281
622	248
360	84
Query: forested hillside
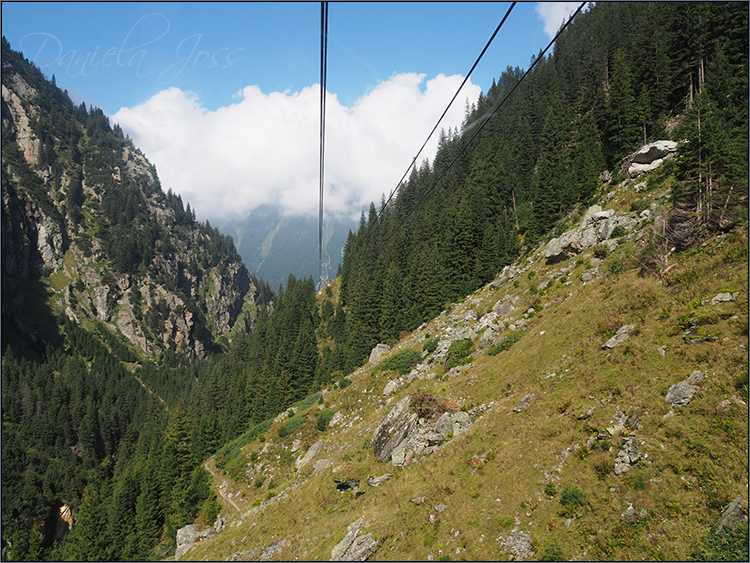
136	346
112	294
622	75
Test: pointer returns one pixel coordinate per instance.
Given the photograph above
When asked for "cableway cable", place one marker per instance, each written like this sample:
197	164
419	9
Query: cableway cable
480	127
323	77
468	75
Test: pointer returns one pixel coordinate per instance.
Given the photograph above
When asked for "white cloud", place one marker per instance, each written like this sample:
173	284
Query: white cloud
553	14
264	149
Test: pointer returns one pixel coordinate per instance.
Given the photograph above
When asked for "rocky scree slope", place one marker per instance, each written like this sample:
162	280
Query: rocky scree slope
564	411
86	226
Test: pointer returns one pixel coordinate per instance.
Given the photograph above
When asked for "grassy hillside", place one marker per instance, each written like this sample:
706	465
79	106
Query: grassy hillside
545	474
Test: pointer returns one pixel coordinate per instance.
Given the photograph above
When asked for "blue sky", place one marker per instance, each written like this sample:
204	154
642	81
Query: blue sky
208	90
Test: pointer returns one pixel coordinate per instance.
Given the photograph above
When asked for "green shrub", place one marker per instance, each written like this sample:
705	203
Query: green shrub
736	255
636	482
571	499
507	342
259	482
616	266
291	426
308	401
430	345
458	350
552	553
723	545
402	362
324	418
602	467
741	384
550	490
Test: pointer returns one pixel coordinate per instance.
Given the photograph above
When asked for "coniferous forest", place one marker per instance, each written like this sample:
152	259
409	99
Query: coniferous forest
120	436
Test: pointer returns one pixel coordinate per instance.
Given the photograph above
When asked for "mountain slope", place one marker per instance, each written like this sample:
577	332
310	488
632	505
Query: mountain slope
111	293
84	216
568	448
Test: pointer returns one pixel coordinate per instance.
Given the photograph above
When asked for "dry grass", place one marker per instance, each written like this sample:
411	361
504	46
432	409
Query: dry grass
493	478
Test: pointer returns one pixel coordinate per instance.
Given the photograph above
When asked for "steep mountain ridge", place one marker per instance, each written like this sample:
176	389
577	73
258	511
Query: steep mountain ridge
564	435
83	210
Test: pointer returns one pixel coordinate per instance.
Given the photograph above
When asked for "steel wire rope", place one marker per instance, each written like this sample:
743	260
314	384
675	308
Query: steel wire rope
323	78
479	129
468	75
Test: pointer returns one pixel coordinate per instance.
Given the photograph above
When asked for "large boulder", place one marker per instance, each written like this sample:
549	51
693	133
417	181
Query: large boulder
649	157
186	538
595	227
732	515
461	422
378	352
680	394
354	547
444	425
622	334
394	428
309	455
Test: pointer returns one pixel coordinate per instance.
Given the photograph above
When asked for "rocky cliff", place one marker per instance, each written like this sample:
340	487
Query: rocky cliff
85	220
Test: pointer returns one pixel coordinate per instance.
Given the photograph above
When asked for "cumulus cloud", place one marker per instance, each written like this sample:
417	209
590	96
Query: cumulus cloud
554	14
264	149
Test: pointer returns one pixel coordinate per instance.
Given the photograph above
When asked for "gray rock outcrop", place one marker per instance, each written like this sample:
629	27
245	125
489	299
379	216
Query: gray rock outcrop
444	425
504	306
680	394
518	543
627	456
396	426
622	334
523	403
595	227
375	481
508	273
487	336
321	465
186	538
309	455
461	422
391	387
732	515
650	157
378	352
354	547
720	298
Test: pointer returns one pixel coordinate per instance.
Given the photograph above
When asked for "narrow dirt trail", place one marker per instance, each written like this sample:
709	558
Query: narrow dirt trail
221	489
